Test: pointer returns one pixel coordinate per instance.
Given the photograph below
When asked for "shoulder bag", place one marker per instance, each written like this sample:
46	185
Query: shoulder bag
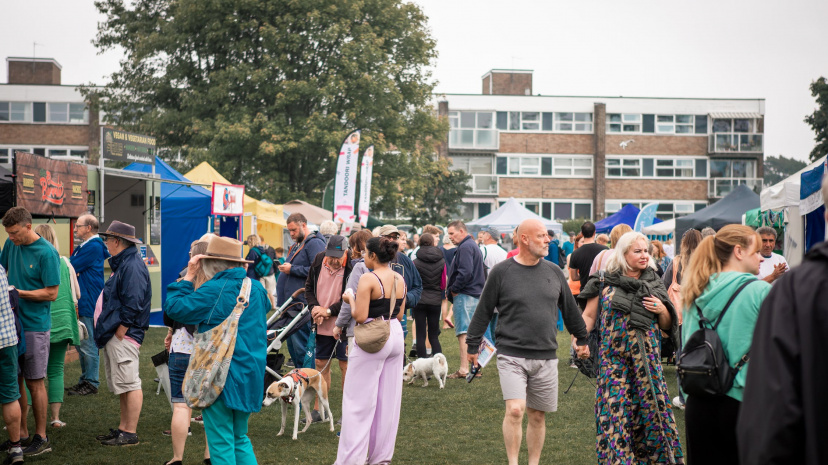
212	353
372	336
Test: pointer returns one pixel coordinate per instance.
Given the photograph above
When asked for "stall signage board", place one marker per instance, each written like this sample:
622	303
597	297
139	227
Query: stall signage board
50	187
128	147
228	199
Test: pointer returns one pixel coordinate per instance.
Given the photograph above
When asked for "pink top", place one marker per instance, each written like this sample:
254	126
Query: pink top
328	292
513	252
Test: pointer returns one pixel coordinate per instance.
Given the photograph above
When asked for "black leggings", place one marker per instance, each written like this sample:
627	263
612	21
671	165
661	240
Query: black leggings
711	430
427	317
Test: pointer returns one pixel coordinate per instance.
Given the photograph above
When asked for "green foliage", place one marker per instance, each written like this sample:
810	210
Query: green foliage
779	168
573	227
818	120
266	90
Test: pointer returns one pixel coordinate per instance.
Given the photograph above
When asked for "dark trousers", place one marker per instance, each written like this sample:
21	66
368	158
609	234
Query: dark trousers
427	318
711	430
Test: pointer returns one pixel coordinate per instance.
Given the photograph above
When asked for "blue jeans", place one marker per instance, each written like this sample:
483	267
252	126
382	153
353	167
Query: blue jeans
88	351
297	344
226	431
177	364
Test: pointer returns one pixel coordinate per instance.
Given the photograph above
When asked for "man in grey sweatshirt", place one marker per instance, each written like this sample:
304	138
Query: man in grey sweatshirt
527	291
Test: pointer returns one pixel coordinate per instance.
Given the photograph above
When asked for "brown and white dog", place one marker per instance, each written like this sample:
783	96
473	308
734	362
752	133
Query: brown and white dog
299	388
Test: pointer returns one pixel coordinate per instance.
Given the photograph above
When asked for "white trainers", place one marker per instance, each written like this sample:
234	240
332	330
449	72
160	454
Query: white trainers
678	403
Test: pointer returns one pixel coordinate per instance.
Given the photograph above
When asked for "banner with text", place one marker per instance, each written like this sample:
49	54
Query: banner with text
125	146
228	199
365	173
646	217
46	186
346	181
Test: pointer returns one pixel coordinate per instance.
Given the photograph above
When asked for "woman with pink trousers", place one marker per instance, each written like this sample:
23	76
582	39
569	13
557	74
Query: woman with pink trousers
373	389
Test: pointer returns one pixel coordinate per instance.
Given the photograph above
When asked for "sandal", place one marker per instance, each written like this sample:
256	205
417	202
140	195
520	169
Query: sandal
58	424
457	375
448	323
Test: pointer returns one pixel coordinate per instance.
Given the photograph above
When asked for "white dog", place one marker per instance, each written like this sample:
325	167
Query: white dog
300	385
436	366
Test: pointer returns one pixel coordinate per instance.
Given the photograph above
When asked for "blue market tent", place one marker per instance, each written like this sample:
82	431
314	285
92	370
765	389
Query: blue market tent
185	213
811	205
626	215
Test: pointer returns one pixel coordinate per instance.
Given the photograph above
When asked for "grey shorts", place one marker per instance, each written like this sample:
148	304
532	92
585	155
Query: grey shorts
121	366
535	381
36	357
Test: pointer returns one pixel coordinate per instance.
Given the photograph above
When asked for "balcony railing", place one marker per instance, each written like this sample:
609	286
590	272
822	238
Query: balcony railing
720	187
480	139
735	143
483	184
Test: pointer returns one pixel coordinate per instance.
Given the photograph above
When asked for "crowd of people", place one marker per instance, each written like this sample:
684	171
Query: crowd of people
629	303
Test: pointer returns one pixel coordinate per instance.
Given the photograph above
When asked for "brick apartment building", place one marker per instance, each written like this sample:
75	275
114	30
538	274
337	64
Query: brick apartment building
585	157
40	115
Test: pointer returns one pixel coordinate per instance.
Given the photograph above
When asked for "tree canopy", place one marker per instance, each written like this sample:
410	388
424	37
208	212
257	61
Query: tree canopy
265	90
818	120
779	168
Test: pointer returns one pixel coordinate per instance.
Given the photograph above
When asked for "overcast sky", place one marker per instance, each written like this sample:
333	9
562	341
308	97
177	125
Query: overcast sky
705	48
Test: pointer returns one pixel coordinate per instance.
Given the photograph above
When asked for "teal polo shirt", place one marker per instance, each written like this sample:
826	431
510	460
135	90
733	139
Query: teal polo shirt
31	267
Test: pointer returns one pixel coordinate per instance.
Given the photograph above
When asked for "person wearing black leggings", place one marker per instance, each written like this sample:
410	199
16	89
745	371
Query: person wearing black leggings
427	314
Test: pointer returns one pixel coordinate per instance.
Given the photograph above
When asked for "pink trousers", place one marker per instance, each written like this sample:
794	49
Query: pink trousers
371	403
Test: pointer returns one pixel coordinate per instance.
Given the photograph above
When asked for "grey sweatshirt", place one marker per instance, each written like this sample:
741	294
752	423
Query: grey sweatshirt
527	298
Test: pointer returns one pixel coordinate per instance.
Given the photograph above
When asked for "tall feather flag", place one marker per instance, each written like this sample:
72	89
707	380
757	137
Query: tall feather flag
346	181
367	171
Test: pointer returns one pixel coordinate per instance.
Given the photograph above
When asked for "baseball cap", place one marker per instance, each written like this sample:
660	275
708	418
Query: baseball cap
337	245
492	232
388	229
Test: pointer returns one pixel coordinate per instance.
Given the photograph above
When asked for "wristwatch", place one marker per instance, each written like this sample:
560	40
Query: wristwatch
329	311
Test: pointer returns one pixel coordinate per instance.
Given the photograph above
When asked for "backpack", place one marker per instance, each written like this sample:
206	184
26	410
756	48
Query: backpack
264	266
703	367
271	253
561	257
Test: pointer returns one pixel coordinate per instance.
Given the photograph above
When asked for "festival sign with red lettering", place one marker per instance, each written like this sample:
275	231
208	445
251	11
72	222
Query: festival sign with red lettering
50	187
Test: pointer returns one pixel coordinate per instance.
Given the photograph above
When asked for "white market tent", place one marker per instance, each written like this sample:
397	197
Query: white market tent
511	214
664	228
784	196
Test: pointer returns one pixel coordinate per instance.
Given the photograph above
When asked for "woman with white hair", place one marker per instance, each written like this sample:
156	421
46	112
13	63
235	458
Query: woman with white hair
630	304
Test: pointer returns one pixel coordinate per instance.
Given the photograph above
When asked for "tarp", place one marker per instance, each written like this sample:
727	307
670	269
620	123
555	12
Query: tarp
511	214
728	210
811	204
270	221
313	213
663	228
185	216
785	193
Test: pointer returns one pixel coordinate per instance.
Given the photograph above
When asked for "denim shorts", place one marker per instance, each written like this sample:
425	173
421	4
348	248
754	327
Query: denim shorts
464	306
178	368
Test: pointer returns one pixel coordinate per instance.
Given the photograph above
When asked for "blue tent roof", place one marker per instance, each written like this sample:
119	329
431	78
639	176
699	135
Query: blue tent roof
185	214
626	215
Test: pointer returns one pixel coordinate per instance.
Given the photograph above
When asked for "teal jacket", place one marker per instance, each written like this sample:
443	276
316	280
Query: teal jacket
207	308
736	328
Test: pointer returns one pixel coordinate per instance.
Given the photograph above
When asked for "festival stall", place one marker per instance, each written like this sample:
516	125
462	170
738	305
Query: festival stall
728	210
812	205
509	215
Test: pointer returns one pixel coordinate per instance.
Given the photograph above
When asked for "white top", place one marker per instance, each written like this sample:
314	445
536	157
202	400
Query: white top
492	255
182	342
766	268
669	250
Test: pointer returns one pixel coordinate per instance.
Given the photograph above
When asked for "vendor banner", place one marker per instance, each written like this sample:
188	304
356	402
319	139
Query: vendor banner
128	147
50	187
346	181
646	217
228	199
365	173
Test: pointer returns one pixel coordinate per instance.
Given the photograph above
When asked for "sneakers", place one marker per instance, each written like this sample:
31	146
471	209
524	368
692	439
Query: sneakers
83	389
15	456
315	417
169	432
75	387
678	403
38	446
113	433
123	439
199	419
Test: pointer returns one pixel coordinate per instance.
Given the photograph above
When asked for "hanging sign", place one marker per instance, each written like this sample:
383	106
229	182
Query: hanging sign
228	199
129	147
50	187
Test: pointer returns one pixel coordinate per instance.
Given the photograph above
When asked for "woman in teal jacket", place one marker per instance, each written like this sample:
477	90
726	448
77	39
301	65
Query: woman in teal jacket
718	267
225	422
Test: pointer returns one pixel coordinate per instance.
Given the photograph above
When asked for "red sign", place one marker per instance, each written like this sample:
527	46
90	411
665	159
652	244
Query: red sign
46	186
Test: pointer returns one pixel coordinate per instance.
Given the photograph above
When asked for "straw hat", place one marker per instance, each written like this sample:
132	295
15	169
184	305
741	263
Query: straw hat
225	248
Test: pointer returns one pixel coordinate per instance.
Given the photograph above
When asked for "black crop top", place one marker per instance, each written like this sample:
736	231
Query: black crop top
380	307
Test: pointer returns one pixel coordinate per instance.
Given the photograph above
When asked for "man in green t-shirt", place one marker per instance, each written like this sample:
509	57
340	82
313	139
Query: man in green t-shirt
33	268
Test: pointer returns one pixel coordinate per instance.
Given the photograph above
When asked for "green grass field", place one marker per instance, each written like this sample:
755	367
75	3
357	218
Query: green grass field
458	425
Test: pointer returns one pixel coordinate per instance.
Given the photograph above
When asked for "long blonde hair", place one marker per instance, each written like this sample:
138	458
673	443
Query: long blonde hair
45	231
618	262
711	255
618	231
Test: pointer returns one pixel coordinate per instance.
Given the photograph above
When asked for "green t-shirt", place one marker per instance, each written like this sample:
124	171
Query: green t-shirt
31	267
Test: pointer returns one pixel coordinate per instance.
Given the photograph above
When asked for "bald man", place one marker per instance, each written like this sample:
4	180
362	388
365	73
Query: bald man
527	291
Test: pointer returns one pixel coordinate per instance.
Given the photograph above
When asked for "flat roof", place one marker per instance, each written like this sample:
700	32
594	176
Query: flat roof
36	60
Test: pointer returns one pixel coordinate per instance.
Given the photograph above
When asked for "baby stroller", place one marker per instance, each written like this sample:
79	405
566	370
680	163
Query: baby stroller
285	321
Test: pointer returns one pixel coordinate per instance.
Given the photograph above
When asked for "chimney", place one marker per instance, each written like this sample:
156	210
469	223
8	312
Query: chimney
508	82
42	71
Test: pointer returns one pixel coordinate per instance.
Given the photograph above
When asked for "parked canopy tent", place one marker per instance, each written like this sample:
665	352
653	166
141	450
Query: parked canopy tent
728	210
185	216
511	214
626	215
664	228
811	204
313	213
270	221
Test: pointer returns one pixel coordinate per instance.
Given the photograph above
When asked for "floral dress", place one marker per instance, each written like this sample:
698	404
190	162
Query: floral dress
633	415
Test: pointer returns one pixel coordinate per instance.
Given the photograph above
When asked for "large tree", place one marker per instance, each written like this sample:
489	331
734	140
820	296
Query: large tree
265	90
818	120
779	168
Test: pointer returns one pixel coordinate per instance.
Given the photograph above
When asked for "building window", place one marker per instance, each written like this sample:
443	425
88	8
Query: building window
623	122
675	124
661	167
472	129
573	122
530	121
544	121
674	168
15	111
42	112
555	166
5	156
626	167
558	209
732	168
